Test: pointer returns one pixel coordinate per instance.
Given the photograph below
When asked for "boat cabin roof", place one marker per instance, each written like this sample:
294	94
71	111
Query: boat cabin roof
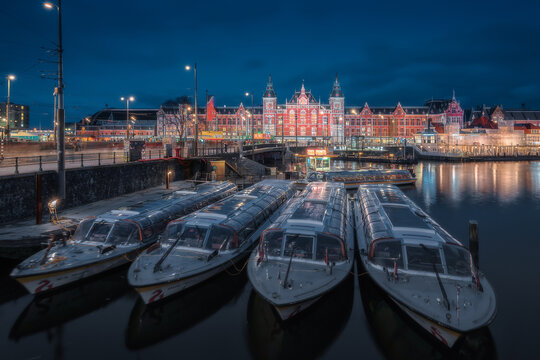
157	213
251	205
321	207
388	213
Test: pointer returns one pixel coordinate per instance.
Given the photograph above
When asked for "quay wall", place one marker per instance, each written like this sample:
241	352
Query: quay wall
86	185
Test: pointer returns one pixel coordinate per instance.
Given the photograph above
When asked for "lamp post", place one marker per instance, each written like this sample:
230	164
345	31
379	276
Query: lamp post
252	127
380	129
9	78
196	132
127	100
60	146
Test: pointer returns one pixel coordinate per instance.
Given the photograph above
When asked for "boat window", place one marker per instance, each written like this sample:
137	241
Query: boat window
387	253
173	231
422	258
458	260
82	229
192	236
123	233
222	239
272	242
310	210
98	232
302	245
331	247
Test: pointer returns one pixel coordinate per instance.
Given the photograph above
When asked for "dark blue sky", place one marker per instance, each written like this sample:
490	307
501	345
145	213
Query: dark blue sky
383	51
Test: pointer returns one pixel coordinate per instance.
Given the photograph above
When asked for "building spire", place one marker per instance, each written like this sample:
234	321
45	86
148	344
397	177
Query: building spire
269	93
453	95
336	90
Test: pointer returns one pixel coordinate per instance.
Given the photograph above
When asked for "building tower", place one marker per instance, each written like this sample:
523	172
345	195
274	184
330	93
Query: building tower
337	114
269	109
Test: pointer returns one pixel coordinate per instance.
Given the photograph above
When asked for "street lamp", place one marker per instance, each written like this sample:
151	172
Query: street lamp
60	146
127	100
196	132
9	78
252	127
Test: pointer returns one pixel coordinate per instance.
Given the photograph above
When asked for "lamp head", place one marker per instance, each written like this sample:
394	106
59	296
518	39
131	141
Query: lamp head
122	98
131	98
188	67
247	94
48	5
11	77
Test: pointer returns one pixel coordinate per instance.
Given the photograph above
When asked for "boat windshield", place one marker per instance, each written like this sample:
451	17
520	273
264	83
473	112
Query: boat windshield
458	260
422	258
300	245
190	235
98	232
329	247
272	241
83	229
387	253
221	238
123	233
117	233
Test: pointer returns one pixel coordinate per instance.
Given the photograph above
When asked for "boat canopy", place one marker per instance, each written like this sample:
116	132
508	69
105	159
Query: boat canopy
360	175
312	226
227	223
150	218
399	234
121	232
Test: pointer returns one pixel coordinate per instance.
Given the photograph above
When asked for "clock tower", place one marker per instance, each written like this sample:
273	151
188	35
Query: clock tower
269	109
337	114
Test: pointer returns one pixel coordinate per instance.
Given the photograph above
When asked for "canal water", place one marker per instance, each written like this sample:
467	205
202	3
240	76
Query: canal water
104	319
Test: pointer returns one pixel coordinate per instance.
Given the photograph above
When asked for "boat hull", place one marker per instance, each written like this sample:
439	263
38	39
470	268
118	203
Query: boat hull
446	336
45	282
286	312
153	293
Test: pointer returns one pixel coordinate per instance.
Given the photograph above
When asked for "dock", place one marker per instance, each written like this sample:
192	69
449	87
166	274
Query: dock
22	238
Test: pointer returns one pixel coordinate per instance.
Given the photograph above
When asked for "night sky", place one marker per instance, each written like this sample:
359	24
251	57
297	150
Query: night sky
383	51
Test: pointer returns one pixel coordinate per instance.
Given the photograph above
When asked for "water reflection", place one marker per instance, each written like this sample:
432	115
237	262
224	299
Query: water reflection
52	310
506	181
398	337
305	337
150	324
11	289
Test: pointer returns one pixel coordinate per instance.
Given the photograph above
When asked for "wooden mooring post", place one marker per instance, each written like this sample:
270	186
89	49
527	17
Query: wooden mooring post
473	241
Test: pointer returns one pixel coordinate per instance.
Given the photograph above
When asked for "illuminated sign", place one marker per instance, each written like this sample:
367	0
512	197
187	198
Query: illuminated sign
316	152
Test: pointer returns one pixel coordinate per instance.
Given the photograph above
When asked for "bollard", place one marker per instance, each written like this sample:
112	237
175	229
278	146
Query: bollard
473	241
99	159
149	154
39	200
82	163
167	180
16	165
40	165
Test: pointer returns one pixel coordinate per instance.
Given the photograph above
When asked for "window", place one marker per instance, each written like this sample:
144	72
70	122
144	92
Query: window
272	242
329	247
123	233
422	258
190	236
387	253
302	117
221	239
300	246
458	260
314	117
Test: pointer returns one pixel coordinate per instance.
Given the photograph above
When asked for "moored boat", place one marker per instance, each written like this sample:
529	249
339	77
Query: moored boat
205	243
112	239
429	274
354	178
306	252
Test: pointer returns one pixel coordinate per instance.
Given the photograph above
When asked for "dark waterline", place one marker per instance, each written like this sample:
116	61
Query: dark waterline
104	318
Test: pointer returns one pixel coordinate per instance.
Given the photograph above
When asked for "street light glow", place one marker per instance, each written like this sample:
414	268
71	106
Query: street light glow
131	98
188	67
247	94
11	77
48	5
